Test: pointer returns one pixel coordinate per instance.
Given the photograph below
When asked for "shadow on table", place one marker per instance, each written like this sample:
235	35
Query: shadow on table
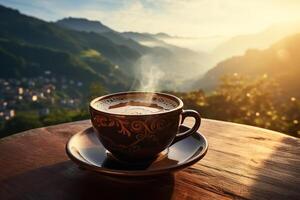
66	181
279	177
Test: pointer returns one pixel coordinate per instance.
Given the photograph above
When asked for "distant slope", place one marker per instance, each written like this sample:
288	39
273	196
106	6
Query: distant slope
169	63
147	39
194	62
82	24
179	65
281	61
239	44
85	25
120	40
59	50
162	35
145	36
139	36
23	60
131	64
154	40
22	28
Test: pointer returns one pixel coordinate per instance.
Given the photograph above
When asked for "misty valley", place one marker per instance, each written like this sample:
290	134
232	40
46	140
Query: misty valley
51	70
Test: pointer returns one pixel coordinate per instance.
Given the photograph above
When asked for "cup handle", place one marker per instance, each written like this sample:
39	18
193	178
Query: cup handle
184	114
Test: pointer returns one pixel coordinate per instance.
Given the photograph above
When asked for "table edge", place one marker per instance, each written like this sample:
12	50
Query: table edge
33	131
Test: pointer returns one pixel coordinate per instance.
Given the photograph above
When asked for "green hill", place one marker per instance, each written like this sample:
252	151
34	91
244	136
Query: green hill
23	60
171	64
25	29
261	40
281	62
124	62
19	60
85	25
82	24
30	46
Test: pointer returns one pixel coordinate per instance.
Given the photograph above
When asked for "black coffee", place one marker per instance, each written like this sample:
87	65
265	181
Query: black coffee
135	104
135	108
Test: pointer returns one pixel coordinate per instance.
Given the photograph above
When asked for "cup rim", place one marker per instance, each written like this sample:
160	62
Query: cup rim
179	107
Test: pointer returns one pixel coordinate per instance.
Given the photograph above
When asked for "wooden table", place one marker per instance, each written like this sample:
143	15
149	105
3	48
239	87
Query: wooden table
242	162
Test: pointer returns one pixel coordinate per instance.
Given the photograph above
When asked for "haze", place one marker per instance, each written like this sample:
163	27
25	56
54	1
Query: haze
214	29
193	18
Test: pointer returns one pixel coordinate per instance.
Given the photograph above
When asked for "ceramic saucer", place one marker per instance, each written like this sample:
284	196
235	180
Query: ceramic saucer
85	149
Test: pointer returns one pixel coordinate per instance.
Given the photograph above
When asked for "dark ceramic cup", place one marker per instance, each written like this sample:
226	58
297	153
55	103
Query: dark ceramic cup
137	126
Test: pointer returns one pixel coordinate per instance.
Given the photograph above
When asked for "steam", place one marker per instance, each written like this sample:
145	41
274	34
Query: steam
168	69
149	74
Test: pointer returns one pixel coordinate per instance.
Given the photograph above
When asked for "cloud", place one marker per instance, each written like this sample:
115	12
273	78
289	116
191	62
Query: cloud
196	17
178	17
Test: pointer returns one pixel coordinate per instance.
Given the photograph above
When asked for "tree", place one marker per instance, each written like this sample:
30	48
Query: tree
96	90
258	102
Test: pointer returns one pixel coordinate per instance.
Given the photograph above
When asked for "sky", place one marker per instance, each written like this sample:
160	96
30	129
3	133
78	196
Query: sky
189	18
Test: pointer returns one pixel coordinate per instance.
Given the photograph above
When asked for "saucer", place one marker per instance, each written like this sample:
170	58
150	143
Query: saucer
85	149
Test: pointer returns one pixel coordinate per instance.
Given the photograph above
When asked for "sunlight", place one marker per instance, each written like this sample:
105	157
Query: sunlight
152	86
229	60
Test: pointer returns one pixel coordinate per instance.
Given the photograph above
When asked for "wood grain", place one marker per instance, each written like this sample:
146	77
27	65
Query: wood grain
242	162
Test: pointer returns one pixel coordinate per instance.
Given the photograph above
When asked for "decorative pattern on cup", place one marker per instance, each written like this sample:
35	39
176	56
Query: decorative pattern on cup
135	129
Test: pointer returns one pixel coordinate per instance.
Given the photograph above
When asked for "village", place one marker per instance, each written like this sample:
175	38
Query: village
44	91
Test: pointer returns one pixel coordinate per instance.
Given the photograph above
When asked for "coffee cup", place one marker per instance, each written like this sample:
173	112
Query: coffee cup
137	126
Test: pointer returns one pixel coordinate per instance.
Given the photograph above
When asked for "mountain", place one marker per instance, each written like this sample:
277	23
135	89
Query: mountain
82	24
178	65
145	36
162	35
24	60
155	53
145	39
60	50
117	59
281	62
85	25
19	60
139	37
129	39
239	44
172	64
31	30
